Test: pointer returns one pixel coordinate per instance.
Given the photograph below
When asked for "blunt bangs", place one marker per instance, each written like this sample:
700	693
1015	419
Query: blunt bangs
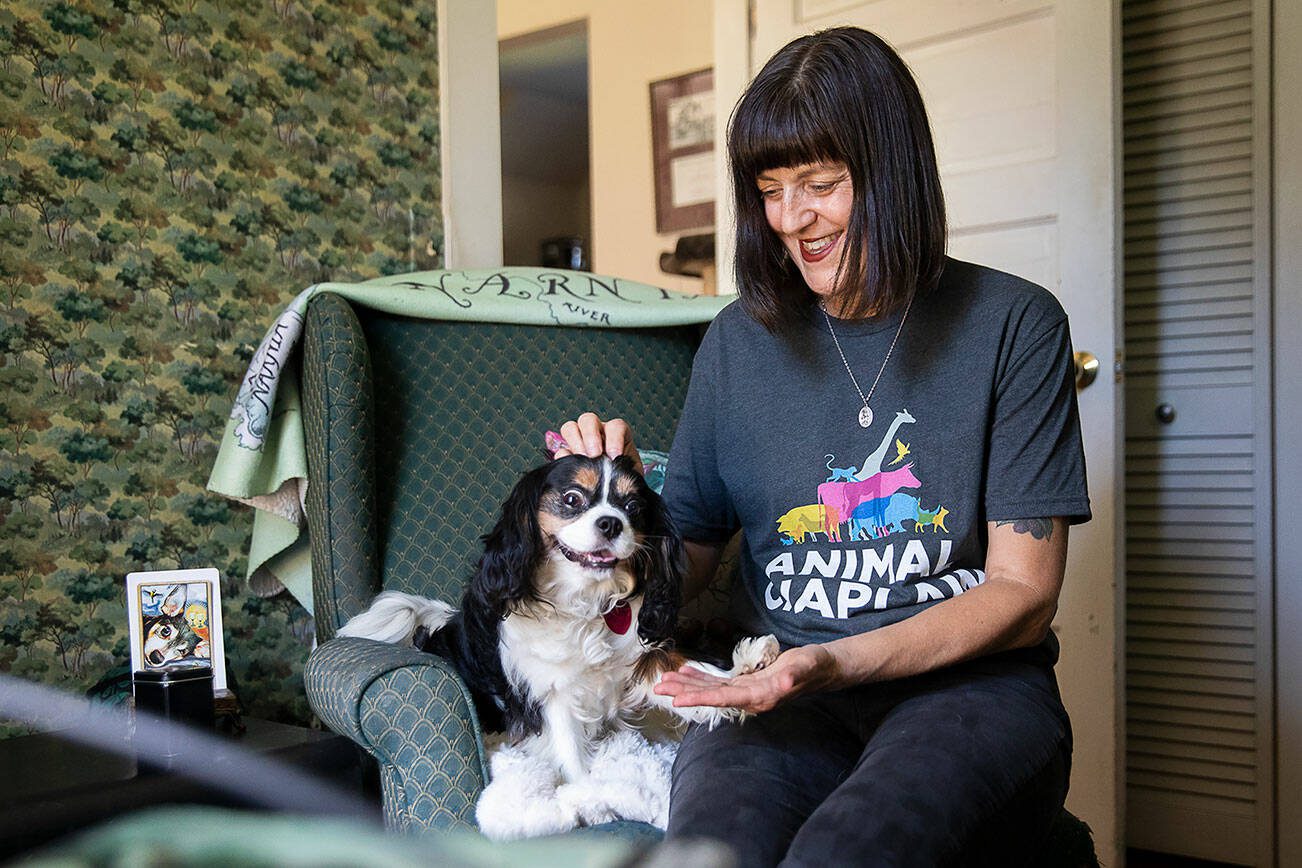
779	135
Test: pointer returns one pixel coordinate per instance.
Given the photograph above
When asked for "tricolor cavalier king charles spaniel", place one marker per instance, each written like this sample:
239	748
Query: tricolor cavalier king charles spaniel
565	627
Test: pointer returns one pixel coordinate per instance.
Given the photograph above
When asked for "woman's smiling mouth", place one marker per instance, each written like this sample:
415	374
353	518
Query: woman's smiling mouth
815	250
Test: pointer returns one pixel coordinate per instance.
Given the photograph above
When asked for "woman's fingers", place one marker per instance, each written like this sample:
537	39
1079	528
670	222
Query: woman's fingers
592	435
725	694
573	439
619	441
617	437
691	677
589	435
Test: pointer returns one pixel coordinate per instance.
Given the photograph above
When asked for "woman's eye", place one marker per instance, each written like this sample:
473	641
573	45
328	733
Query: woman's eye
771	193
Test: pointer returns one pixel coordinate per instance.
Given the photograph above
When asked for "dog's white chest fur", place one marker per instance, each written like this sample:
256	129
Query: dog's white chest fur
580	665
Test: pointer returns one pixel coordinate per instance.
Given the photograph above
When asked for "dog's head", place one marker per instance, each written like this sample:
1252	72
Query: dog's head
167	639
583	533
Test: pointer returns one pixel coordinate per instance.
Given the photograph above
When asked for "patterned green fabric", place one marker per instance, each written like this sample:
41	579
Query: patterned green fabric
411	712
171	172
429	737
339	409
469	432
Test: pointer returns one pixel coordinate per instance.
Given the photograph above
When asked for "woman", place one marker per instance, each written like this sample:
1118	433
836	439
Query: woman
895	433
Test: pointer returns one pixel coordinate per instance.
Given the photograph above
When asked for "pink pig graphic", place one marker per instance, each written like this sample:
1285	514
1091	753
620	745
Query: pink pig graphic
840	498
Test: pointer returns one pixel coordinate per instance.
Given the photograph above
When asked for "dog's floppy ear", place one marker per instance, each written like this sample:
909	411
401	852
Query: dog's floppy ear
511	549
661	567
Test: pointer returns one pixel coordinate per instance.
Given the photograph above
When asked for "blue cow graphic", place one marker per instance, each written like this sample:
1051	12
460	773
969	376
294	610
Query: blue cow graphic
884	515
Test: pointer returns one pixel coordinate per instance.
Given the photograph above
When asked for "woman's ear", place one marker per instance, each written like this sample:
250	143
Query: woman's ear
512	549
661	567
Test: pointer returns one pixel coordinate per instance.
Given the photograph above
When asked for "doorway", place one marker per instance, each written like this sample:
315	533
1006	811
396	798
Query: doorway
546	180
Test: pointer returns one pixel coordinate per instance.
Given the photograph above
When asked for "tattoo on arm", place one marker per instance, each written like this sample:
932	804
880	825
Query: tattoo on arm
1040	528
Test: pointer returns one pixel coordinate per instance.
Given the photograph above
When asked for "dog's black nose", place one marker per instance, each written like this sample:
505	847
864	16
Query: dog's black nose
610	526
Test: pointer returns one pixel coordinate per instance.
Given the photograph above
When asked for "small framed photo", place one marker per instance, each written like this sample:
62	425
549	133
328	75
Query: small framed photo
175	616
682	147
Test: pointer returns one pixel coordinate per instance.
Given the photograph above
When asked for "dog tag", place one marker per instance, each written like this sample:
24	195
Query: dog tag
620	618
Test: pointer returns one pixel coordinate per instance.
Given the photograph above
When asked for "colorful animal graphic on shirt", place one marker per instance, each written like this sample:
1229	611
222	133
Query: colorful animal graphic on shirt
801	522
873	463
863	545
842	498
933	519
869	501
839	473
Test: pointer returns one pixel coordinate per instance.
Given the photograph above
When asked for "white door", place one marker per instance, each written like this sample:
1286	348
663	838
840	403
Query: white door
1021	95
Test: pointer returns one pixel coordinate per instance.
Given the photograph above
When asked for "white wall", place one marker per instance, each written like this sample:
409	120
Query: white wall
630	45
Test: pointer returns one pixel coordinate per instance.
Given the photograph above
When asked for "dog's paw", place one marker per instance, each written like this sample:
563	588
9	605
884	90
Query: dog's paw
715	716
752	655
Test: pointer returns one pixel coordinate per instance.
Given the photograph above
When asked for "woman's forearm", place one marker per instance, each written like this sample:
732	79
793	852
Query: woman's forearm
997	615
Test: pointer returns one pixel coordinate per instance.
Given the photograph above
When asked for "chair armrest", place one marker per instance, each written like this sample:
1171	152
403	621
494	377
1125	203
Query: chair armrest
411	711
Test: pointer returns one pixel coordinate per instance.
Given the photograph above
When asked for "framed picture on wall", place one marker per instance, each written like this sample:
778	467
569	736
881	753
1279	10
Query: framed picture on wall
682	148
176	616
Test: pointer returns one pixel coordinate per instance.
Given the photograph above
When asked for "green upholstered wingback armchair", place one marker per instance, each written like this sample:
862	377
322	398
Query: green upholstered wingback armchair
416	432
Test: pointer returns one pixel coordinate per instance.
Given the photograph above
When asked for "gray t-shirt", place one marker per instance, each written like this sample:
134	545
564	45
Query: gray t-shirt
847	529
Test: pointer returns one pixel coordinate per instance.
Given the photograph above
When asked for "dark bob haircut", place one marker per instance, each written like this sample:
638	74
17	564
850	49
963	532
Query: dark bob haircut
841	95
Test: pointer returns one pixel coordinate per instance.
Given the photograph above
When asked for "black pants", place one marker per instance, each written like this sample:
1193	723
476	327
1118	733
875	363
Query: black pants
964	766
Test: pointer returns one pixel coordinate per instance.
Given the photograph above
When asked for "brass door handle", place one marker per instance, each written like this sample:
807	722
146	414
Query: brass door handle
1087	368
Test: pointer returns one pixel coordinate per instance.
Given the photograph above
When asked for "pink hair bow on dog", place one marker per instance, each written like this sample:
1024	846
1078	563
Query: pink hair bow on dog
553	441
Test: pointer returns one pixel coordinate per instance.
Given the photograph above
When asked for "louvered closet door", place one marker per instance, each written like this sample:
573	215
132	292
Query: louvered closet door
1198	666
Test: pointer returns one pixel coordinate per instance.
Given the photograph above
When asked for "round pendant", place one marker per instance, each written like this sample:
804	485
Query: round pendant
865	416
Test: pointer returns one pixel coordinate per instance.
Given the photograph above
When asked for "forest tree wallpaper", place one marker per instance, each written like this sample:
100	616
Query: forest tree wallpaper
172	172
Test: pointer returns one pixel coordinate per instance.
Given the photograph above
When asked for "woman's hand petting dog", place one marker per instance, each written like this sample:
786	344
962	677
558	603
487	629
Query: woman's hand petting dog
589	435
799	670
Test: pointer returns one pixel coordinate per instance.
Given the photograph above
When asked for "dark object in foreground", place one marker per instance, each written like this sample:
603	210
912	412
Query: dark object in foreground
56	787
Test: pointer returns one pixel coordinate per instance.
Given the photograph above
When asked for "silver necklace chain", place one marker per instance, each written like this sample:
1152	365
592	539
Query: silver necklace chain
866	414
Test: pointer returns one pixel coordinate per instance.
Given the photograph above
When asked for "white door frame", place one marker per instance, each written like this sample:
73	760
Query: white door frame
1286	283
732	37
470	130
1090	220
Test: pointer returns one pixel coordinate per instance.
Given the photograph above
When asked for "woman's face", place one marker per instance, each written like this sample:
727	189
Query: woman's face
809	208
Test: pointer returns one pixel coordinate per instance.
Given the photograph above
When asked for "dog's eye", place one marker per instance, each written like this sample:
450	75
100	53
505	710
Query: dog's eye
632	506
572	499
